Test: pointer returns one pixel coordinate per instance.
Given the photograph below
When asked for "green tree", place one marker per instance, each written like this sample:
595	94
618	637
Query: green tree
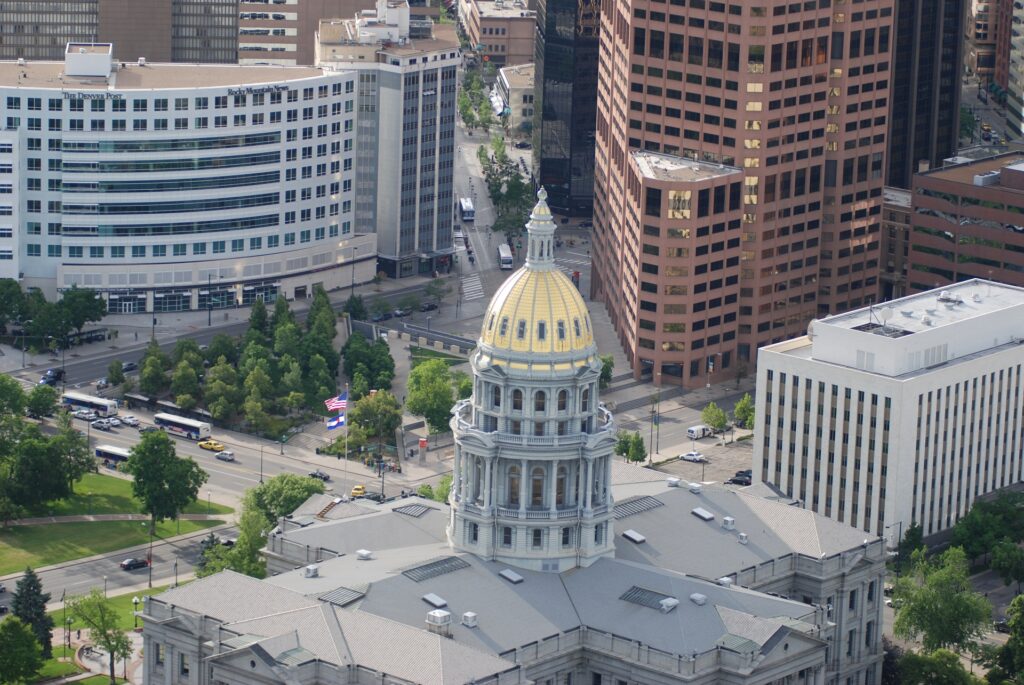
382	365
282	313
281	495
319	382
936	602
12	397
623	442
287	339
187	350
359	388
222	391
443	489
115	372
320	310
978	531
607	366
1008	562
426	491
222	346
437	290
355	307
20	653
409	301
430	394
72	449
12	302
49	322
164	482
101	618
253	353
38	471
259	380
380	306
153	379
940	667
154	351
715	417
185	380
913	540
82	305
744	411
1005	663
252	537
259	320
380	414
29	604
41	400
255	410
637	450
463	384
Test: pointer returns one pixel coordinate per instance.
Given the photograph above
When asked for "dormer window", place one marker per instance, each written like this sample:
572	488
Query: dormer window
490	324
561	330
503	331
576	326
542	330
521	329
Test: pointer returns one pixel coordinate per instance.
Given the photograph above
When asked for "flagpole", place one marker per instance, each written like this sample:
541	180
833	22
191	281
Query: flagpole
346	436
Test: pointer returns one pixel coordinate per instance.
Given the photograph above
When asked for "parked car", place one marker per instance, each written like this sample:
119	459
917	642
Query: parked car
101	425
51	377
102	384
130	421
114	422
129	366
377	317
358	490
148	429
522	145
428	307
85	415
400	312
745	473
320	475
374	496
1002	626
695	457
225	455
3	588
131	564
212	445
739	480
228	542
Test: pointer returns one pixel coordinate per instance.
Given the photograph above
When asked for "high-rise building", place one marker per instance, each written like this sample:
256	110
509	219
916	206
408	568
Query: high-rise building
980	34
1015	77
566	102
772	120
500	31
159	30
899	414
896	227
1004	31
405	122
924	123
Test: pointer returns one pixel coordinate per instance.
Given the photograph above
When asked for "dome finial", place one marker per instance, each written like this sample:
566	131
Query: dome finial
542	194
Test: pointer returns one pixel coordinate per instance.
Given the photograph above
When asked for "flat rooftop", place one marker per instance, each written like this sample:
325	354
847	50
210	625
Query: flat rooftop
663	167
897	197
503	9
89	48
931	310
519	76
338	42
965	173
149	77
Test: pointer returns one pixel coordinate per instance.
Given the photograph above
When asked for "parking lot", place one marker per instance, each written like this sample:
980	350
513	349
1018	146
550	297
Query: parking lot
723	461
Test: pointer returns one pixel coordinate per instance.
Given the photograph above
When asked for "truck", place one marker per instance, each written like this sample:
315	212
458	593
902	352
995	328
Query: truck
699	431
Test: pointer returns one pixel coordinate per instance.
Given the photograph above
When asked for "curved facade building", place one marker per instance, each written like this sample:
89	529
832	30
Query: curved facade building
172	187
533	447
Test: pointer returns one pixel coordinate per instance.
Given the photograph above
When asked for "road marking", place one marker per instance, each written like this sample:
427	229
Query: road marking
472	288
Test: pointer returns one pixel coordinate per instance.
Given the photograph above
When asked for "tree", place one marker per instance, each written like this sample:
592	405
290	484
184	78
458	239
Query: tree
623	441
153	379
940	667
187	350
82	305
978	531
154	351
443	489
115	372
258	318
436	290
1005	663
185	380
101	617
41	400
281	495
72	449
891	655
426	491
29	604
463	384
936	602
355	307
715	417
380	306
409	301
282	313
222	346
607	366
287	339
430	394
913	540
743	412
38	471
359	388
164	482
252	536
1008	562
12	397
637	450
379	414
320	382
20	653
968	122
223	394
12	302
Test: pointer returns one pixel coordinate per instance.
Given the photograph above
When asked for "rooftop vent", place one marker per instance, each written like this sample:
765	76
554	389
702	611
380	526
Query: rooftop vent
729	523
976	297
725	581
909	313
703	514
511	576
743	538
439	622
989	178
21	61
926	320
364	554
950	297
672	482
469	619
668	604
634	536
696	488
435	601
311	571
699	599
142	61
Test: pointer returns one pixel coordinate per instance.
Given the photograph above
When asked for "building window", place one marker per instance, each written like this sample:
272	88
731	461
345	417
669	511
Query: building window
513	486
563	400
496	397
159	250
183	664
138	251
585	403
521	329
537	487
539	401
566	537
538	538
517	400
474	533
538	428
161	652
506	536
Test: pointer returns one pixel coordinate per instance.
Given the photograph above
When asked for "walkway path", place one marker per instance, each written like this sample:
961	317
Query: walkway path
44	520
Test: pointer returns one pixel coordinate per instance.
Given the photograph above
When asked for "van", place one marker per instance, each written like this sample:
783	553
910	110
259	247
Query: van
698	432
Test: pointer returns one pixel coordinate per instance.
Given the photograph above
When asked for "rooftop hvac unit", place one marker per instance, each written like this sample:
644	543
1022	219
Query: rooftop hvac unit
364	554
439	622
672	482
311	571
469	619
725	581
743	538
634	536
511	576
695	488
142	61
703	514
699	599
668	604
729	523
435	601
989	178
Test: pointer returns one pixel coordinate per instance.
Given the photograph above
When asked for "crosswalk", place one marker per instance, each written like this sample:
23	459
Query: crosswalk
472	288
571	265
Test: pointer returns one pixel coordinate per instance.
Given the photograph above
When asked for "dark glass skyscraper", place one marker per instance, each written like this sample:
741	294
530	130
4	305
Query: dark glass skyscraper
566	102
924	116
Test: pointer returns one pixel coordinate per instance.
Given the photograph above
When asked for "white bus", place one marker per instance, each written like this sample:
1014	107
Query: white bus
109	453
504	256
194	430
102	407
466	209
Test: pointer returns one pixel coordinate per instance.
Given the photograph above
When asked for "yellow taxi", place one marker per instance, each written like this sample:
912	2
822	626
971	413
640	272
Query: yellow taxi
212	445
358	490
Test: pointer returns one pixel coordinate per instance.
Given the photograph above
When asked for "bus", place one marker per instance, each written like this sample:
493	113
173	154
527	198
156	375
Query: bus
504	256
466	209
194	430
111	454
103	407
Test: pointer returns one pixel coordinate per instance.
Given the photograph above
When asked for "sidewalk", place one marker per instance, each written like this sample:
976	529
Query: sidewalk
45	520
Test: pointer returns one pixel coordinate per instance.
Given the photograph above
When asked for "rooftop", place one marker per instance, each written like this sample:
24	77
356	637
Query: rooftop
965	173
89	48
504	9
337	41
897	197
518	76
661	167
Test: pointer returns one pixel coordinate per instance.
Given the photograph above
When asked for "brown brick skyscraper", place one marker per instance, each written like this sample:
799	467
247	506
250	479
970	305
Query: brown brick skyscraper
790	99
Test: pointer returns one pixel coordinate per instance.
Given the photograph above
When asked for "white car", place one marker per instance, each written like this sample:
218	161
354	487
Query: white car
225	455
130	421
695	457
114	422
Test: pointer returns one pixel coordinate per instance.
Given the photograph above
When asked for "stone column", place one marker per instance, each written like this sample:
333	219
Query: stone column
524	487
457	471
553	487
488	485
588	483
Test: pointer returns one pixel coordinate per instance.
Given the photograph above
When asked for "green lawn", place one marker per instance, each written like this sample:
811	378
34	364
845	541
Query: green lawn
122	604
52	668
101	679
37	546
422	354
100	494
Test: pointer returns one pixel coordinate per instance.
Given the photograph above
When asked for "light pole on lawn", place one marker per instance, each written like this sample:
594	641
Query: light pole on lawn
135	612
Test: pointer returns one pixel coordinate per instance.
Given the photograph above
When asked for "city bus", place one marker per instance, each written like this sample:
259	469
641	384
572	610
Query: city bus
109	453
194	430
103	407
504	256
466	209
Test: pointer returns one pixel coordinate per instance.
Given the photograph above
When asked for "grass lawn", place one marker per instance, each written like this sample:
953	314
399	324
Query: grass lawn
97	493
52	668
422	354
122	605
101	679
37	546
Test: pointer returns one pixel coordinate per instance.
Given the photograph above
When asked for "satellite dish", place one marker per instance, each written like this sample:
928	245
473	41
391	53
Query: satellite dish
886	314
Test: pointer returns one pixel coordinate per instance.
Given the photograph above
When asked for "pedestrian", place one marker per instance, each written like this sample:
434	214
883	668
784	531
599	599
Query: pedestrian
136	336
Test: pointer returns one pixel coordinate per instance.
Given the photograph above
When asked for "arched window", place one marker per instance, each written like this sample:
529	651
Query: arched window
563	400
585	404
540	401
496	396
517	400
563	474
513	486
537	487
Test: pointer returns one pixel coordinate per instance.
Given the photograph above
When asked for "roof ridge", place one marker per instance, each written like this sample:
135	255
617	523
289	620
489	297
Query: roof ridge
261	617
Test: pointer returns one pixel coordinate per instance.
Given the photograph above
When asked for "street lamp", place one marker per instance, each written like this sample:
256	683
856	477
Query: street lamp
104	586
67	633
428	323
135	613
355	248
208	506
175	571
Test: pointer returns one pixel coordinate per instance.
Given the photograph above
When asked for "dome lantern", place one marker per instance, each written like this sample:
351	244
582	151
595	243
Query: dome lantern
540	246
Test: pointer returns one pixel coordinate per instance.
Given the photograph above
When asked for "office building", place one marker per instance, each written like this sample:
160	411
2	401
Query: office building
899	414
521	577
1015	77
788	101
924	124
500	31
173	187
1004	31
513	97
566	102
968	222
160	30
980	34
896	227
406	130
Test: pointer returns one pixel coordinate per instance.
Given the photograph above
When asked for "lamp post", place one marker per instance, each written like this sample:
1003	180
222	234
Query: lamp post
135	613
150	559
209	300
428	323
67	633
175	571
104	586
67	626
208	505
355	248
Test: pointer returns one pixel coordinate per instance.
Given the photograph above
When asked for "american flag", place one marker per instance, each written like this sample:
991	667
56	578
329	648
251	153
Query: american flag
339	403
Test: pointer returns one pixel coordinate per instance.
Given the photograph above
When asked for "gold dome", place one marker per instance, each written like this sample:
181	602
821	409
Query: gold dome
538	310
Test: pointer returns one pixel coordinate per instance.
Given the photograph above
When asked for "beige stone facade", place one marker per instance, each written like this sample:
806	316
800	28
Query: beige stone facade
501	31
